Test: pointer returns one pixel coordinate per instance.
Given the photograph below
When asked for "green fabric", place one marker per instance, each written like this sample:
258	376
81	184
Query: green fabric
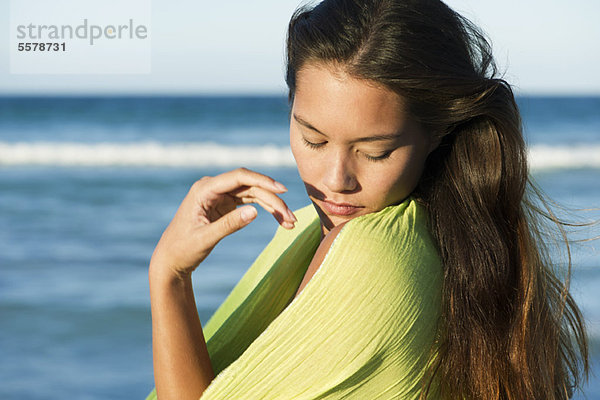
362	328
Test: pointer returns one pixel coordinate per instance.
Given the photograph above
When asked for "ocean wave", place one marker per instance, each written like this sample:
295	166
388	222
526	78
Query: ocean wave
142	154
565	157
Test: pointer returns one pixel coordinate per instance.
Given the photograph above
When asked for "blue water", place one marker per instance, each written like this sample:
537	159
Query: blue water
76	233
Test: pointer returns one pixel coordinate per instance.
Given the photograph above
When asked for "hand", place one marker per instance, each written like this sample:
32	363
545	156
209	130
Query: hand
208	213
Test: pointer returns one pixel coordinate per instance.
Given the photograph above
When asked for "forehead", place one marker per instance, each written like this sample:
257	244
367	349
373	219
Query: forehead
334	101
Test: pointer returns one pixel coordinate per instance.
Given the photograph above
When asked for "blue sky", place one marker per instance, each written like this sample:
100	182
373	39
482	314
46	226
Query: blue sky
225	47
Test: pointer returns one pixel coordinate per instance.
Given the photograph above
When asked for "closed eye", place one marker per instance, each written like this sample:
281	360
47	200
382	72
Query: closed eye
378	158
318	146
313	145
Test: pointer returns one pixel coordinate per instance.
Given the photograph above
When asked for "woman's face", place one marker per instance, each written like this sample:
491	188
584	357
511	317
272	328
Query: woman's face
356	149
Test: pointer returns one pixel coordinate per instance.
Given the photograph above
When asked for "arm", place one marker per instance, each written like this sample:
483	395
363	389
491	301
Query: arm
182	366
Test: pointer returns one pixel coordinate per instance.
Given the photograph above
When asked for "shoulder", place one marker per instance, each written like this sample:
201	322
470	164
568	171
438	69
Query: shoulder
397	230
395	243
385	267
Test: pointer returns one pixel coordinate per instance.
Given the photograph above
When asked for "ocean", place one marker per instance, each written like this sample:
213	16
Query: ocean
88	184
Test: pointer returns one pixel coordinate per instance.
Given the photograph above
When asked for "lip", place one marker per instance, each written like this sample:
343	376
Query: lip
342	209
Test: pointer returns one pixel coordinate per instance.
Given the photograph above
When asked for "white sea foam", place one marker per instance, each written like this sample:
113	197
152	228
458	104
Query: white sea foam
565	157
143	154
139	154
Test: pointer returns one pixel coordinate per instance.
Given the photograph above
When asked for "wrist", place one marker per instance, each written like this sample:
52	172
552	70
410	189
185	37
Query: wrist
162	272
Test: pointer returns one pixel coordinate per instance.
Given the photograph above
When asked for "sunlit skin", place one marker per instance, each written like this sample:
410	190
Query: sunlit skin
353	143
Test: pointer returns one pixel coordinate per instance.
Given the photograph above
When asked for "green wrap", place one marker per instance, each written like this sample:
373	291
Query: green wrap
362	328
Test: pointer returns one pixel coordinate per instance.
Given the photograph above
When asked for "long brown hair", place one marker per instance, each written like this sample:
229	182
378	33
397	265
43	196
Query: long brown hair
509	328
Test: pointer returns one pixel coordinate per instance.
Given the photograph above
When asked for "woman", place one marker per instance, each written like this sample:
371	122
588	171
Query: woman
432	277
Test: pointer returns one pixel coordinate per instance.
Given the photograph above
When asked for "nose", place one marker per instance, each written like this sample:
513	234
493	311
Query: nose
339	175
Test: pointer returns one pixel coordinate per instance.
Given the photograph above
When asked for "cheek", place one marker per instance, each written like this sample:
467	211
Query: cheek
396	181
389	185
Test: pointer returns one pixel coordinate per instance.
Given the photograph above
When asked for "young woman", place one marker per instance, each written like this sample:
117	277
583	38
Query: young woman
418	271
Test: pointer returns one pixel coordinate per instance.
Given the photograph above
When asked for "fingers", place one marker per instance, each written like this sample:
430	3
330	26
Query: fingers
228	224
252	187
270	202
232	180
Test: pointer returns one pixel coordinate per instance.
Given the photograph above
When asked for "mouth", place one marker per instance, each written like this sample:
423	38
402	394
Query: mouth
342	209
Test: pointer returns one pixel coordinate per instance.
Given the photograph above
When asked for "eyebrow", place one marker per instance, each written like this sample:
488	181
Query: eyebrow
373	138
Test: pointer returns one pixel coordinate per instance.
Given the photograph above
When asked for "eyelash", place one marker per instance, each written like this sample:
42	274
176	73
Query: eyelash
317	146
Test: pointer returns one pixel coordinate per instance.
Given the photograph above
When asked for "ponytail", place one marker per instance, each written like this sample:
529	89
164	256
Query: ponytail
507	317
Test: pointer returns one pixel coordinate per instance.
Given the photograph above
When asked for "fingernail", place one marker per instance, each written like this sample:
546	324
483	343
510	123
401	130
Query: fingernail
287	224
291	214
248	213
279	186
